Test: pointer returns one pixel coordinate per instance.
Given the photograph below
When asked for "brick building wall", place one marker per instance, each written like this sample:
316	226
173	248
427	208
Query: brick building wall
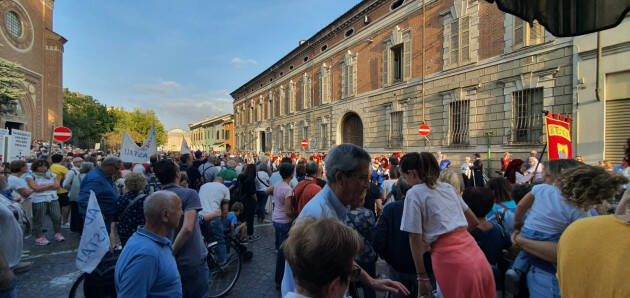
486	79
39	52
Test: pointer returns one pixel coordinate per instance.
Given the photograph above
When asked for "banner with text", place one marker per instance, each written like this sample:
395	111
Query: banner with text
18	145
130	152
559	138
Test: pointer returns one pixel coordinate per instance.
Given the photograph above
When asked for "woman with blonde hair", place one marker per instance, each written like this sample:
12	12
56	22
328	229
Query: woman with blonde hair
129	206
454	178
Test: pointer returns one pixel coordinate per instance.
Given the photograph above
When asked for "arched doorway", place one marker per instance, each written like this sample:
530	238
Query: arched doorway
352	129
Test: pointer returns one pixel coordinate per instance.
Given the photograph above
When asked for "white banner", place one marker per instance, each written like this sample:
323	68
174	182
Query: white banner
184	149
94	240
18	145
130	152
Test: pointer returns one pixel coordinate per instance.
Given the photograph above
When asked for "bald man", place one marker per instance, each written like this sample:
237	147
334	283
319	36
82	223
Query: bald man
146	267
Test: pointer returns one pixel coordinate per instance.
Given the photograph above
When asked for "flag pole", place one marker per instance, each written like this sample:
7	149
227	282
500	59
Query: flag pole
531	181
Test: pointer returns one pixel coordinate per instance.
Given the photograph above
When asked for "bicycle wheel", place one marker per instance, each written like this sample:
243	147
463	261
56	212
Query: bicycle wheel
77	287
223	277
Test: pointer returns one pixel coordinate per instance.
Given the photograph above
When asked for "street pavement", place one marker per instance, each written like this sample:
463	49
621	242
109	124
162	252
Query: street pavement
53	271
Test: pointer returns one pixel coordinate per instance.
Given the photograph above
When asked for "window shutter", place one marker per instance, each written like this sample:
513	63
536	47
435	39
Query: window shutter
386	67
536	34
344	77
519	32
353	68
326	87
407	59
454	42
465	38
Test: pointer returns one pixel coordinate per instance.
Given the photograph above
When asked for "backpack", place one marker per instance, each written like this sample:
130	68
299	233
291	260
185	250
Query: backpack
100	283
75	187
504	218
293	212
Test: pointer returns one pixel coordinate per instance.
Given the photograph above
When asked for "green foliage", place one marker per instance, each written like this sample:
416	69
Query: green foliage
137	123
11	80
91	122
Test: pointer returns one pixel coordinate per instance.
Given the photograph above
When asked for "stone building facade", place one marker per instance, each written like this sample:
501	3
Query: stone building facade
174	139
212	133
28	39
480	78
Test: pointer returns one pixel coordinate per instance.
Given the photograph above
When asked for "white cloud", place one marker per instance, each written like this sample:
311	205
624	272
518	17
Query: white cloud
243	62
161	87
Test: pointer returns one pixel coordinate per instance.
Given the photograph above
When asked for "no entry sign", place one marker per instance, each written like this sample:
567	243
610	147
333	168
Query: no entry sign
424	130
304	143
62	134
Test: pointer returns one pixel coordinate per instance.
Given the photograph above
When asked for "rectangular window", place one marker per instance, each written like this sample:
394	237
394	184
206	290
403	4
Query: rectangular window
527	108
397	64
460	41
324	136
459	122
324	85
280	139
396	129
304	133
227	134
526	34
291	139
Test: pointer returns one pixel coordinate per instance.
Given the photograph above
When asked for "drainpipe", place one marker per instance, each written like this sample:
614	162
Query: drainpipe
424	4
598	65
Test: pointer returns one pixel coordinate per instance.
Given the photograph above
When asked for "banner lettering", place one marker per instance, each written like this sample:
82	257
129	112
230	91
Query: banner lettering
558	139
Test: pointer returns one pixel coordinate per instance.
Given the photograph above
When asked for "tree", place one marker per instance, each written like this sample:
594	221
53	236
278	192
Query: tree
11	91
137	123
88	119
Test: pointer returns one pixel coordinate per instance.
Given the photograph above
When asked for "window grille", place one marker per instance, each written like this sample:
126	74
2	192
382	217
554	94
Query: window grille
527	125
459	122
395	129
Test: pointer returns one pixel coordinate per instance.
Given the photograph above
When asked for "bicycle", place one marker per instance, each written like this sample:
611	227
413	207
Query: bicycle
223	277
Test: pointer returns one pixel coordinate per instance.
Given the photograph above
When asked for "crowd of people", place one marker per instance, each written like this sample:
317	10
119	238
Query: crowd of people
442	230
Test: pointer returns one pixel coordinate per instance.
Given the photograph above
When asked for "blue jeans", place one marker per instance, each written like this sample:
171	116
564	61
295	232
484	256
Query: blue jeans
282	232
213	231
260	205
524	259
195	280
11	292
542	283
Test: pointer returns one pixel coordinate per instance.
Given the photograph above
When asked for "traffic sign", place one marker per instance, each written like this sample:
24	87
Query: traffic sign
424	130
62	134
305	143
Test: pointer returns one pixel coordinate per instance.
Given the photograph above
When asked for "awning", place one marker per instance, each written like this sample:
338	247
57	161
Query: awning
568	17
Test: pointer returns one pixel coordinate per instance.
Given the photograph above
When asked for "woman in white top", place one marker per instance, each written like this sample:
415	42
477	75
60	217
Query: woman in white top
45	200
467	172
434	214
262	184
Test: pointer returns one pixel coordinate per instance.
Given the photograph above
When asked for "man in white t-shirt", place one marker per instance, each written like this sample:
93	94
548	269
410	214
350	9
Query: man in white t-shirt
211	194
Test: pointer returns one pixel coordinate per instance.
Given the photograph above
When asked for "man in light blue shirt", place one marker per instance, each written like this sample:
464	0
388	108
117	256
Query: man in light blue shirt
348	175
146	267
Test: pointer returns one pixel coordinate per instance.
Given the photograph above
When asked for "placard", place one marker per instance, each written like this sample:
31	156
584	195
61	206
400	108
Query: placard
18	145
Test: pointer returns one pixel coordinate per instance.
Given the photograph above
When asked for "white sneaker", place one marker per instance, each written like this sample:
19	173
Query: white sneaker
42	241
66	226
59	237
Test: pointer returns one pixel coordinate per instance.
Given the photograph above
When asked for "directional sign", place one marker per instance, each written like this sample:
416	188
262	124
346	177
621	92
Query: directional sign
62	134
424	130
304	143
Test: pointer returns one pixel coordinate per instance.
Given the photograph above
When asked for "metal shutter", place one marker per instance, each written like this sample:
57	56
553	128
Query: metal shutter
617	129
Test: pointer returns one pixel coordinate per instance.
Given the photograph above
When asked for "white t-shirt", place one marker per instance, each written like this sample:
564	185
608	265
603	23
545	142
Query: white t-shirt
550	212
433	212
211	194
262	186
14	183
42	180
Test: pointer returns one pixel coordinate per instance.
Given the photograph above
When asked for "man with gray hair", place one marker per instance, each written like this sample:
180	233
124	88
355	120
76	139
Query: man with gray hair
100	181
348	175
210	169
146	267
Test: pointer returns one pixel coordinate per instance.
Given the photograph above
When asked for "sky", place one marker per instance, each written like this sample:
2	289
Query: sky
180	58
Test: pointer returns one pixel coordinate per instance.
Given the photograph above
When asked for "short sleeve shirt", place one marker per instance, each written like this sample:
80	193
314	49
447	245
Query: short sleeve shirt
14	183
229	220
280	193
194	251
61	172
550	212
129	219
433	212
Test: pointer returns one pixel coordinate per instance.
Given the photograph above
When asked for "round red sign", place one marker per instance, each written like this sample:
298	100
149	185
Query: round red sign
424	130
304	143
62	134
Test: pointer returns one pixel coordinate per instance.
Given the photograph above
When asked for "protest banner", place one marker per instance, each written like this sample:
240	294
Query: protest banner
130	152
18	145
559	137
185	149
94	242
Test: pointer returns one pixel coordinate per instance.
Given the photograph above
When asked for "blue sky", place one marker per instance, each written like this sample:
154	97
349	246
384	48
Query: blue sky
180	58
